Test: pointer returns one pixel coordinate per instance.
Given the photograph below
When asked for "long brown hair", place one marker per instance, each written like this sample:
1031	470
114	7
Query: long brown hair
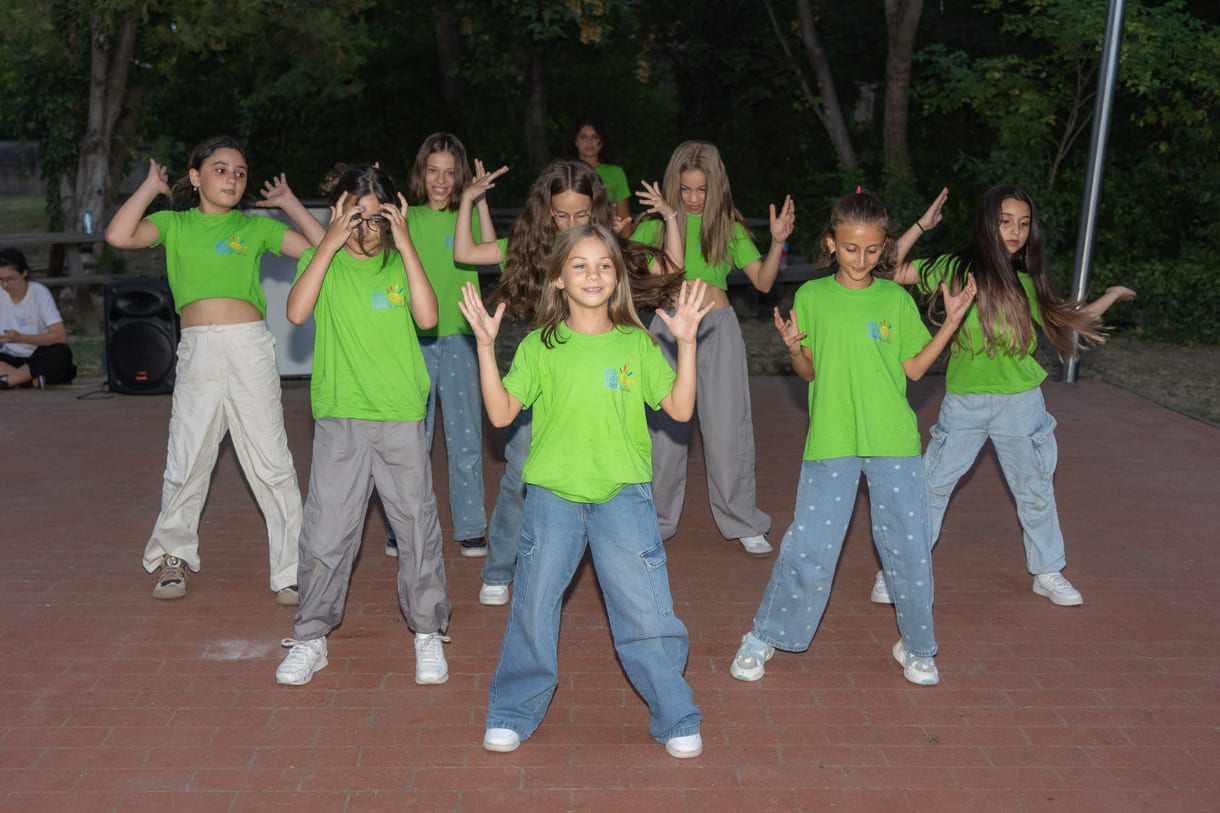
720	216
440	142
532	237
866	208
554	309
1003	306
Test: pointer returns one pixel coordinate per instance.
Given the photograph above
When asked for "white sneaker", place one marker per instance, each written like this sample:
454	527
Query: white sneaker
920	671
501	739
305	658
751	655
493	595
430	666
288	596
1057	589
881	593
685	747
756	545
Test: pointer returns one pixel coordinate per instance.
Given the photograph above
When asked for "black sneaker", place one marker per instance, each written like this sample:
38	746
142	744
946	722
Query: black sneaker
474	548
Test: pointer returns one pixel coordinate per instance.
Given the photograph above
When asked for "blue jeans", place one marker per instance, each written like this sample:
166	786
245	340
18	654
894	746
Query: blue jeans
651	642
510	504
1023	434
796	595
453	367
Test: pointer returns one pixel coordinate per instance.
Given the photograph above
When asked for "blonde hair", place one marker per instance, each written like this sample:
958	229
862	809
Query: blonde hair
720	217
553	309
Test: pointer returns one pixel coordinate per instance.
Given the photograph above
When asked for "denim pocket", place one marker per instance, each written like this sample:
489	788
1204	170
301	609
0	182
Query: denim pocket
658	578
1046	450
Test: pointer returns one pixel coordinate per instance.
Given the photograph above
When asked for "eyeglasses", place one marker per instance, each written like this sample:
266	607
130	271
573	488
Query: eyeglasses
10	280
372	223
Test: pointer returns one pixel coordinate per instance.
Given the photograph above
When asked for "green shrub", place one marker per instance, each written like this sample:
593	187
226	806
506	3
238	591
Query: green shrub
1175	301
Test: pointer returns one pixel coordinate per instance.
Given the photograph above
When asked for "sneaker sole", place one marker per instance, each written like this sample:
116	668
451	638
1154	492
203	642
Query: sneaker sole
391	552
431	680
678	753
493	601
293	680
474	553
169	593
1071	602
757	553
293	600
880	598
501	747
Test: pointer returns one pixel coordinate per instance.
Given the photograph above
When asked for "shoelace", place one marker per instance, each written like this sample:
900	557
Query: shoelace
430	647
172	570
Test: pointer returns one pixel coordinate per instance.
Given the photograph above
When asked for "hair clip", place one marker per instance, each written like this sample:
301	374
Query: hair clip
857	190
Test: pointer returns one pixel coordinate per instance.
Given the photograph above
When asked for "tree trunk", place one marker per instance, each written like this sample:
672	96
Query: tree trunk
901	23
110	58
537	134
448	54
830	112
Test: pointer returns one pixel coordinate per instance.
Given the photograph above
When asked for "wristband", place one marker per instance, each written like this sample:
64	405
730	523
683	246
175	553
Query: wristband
922	230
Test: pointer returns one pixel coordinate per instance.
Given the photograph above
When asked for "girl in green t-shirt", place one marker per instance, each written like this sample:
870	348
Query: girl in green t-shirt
588	141
588	373
711	240
993	378
366	290
567	193
856	339
226	375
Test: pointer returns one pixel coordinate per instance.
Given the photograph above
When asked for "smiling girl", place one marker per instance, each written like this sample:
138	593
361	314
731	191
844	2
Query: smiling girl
227	379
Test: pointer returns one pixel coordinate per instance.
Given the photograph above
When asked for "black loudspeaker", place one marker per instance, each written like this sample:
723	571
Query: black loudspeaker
141	336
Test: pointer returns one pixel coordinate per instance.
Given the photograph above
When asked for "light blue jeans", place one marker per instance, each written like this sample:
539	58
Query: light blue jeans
796	595
453	367
1023	433
651	642
505	526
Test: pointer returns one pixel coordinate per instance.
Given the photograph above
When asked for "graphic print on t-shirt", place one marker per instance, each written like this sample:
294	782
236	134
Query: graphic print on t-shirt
881	331
620	379
392	297
234	245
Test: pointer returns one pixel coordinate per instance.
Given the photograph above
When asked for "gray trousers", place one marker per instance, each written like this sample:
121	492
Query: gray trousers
349	457
722	403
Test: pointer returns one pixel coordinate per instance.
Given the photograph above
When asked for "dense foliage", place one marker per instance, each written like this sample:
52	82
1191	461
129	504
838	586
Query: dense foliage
1002	92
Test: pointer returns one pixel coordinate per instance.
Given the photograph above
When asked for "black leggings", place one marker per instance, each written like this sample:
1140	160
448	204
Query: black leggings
53	361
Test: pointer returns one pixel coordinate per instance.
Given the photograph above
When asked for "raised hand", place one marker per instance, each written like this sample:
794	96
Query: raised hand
158	177
482	181
396	218
931	218
344	216
1121	293
486	326
958	303
684	324
789	331
783	223
276	193
654	202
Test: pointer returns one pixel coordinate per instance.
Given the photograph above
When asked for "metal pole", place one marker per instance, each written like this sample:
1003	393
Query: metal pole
1086	236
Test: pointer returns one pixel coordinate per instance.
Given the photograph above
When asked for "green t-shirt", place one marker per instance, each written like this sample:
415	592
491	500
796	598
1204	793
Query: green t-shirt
616	182
432	233
366	358
590	432
971	371
859	339
742	250
209	256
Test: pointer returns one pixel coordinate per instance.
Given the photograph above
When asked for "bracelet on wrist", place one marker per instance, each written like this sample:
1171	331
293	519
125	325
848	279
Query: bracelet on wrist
670	217
922	230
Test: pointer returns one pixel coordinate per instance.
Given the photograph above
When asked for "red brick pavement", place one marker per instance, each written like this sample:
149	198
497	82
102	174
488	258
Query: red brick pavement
110	700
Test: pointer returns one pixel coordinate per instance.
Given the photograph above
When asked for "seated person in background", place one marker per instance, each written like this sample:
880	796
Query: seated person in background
33	341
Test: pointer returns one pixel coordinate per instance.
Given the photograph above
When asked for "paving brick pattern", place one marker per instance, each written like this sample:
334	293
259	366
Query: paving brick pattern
113	701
